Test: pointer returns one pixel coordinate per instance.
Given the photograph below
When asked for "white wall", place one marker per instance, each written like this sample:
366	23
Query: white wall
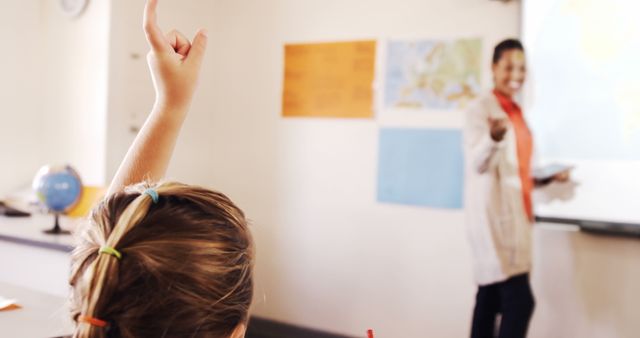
20	129
585	285
74	88
131	94
53	90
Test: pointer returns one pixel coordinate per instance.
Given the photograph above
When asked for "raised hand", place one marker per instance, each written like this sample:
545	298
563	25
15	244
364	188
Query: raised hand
498	128
174	62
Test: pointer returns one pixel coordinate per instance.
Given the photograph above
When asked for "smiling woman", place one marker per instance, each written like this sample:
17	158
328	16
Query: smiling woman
498	151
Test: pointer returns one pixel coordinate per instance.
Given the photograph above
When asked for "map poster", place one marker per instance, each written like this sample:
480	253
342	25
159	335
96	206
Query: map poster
432	74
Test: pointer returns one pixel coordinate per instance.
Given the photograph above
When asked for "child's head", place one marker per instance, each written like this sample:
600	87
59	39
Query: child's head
185	266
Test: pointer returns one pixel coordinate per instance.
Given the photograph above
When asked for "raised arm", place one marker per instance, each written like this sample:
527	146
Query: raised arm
174	63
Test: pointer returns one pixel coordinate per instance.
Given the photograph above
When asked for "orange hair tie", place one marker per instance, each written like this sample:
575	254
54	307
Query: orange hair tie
93	321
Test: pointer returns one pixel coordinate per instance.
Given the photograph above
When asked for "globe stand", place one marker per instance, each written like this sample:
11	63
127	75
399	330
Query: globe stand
56	230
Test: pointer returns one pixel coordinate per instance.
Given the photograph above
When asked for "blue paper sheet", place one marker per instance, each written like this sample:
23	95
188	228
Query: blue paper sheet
422	167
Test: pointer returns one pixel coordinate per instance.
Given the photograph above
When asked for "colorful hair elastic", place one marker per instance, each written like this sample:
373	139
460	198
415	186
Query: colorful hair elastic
111	251
93	321
153	194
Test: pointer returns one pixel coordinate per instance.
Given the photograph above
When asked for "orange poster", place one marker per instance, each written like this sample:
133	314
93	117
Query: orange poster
329	79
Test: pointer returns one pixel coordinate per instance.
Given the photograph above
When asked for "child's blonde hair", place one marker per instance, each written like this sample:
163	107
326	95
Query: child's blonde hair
185	268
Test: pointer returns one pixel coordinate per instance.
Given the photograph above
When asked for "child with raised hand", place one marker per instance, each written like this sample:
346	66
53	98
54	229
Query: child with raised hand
163	259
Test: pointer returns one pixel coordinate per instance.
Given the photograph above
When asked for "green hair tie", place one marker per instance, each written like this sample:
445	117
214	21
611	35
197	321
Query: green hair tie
111	251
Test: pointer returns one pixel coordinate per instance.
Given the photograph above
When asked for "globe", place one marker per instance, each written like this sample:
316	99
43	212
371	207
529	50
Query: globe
58	188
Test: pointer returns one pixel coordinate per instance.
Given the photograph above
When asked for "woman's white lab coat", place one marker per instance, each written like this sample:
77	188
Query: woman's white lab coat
498	226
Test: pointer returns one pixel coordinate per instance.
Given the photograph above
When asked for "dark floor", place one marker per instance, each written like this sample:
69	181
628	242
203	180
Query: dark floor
262	328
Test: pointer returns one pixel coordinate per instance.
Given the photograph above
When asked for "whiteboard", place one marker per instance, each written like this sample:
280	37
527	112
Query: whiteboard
582	101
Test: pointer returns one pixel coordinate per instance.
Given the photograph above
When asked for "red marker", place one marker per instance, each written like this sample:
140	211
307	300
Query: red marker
369	333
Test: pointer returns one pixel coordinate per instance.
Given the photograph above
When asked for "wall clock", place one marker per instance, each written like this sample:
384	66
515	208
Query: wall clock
73	8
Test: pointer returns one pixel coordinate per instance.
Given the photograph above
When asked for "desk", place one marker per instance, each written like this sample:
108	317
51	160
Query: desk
28	230
32	259
41	315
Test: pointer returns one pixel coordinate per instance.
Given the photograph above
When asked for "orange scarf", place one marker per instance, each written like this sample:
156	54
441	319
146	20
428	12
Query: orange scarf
524	142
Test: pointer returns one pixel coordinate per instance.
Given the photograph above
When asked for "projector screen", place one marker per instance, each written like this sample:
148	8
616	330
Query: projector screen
582	101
